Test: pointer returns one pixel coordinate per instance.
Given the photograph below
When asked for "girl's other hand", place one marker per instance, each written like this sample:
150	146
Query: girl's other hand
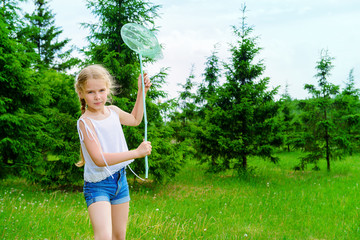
147	82
144	149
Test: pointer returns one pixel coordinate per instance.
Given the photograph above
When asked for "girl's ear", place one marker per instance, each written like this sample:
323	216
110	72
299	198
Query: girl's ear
80	95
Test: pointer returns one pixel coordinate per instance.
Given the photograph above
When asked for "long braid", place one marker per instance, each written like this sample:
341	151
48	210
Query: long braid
83	105
82	159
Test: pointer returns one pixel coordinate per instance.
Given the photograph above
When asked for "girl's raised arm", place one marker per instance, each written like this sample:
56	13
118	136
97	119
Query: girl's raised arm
136	116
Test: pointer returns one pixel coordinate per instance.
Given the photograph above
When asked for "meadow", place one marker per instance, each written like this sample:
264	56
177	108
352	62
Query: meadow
272	202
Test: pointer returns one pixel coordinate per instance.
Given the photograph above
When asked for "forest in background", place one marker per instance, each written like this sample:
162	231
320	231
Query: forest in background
222	121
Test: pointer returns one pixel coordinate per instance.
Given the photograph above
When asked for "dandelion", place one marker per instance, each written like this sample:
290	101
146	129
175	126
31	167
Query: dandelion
245	235
205	229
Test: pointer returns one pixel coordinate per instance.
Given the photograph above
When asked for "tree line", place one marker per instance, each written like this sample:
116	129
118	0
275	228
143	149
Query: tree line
222	121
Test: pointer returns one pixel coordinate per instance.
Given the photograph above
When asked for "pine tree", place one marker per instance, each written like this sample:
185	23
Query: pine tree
18	125
320	131
210	82
38	113
347	107
287	118
240	120
10	17
41	36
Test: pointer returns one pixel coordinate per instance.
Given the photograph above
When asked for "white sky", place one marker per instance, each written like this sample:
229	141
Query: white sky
291	33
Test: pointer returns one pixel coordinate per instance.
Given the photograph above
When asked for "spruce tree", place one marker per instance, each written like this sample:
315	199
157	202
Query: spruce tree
347	116
41	36
318	120
240	120
18	125
211	76
287	118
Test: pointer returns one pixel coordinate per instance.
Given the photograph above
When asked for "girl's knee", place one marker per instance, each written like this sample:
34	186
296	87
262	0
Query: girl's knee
119	235
102	235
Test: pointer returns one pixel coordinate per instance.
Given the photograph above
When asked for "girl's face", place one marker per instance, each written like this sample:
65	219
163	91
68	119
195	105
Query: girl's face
95	94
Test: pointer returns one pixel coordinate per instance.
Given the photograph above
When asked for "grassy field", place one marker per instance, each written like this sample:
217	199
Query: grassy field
274	202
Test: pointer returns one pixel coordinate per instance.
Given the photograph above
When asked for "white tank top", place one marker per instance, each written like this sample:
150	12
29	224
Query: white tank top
111	139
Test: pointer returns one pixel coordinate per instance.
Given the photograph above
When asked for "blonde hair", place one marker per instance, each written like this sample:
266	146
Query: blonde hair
97	72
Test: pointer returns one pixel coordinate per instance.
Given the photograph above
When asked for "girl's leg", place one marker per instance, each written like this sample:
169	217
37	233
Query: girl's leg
100	217
119	214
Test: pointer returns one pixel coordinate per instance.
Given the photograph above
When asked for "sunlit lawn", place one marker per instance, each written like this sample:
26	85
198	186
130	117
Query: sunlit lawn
272	203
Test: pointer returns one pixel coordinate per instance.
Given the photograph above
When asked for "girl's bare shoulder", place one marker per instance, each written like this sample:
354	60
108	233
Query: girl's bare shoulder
84	116
115	108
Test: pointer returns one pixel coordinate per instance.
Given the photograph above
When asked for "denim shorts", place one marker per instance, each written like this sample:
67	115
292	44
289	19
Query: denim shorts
113	189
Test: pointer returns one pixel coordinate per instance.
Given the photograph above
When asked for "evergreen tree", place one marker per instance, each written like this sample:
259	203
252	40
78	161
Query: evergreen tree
187	99
287	118
350	89
240	121
184	119
10	17
41	36
211	79
187	120
320	132
38	113
347	107
18	125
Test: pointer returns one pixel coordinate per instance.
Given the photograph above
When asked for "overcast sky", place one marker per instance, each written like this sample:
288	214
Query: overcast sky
291	33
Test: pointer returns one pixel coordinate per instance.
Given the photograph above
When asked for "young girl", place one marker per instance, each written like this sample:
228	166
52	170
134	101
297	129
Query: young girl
104	151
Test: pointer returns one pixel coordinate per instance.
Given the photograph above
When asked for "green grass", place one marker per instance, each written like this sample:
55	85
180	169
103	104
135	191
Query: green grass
273	202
